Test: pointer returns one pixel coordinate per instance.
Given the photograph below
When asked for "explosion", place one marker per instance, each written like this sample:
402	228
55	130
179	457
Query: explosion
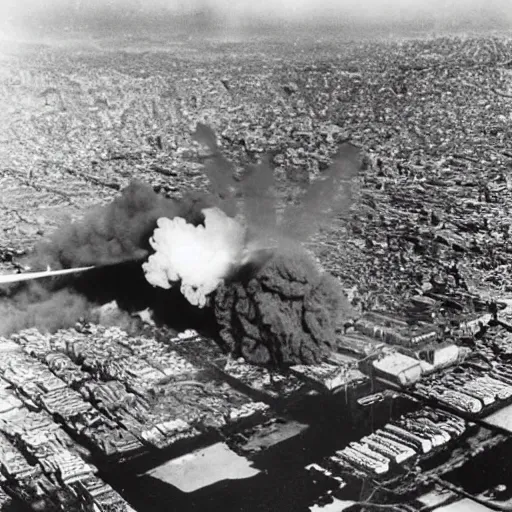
274	305
270	301
199	257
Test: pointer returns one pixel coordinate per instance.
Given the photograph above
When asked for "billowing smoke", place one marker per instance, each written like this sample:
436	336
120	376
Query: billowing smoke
117	232
275	305
201	258
286	311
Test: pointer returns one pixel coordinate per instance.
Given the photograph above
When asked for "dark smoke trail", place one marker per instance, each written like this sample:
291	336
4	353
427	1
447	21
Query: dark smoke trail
259	197
116	232
218	169
107	235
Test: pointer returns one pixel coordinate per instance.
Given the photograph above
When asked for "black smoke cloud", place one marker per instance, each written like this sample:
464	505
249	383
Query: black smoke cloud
286	312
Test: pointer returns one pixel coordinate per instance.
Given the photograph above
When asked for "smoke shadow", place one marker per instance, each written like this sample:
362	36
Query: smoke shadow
126	284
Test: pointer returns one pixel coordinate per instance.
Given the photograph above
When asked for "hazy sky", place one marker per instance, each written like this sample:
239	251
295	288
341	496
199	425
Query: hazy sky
383	10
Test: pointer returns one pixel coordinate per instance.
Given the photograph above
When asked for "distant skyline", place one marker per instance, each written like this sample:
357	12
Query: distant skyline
247	12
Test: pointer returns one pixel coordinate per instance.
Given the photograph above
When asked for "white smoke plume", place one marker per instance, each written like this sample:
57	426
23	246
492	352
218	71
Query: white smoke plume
199	258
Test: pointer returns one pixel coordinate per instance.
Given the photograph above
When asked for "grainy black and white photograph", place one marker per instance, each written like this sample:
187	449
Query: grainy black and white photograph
255	256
